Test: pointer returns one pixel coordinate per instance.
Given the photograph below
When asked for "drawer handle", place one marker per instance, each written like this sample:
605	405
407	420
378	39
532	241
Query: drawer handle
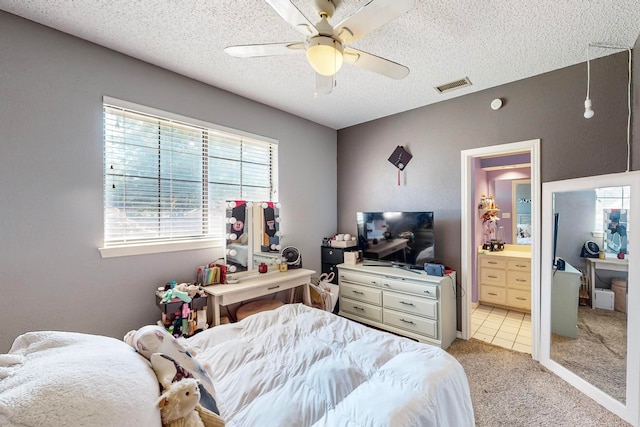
358	292
407	303
521	266
521	299
373	282
407	321
492	294
427	292
520	280
273	287
330	252
358	308
387	285
492	277
491	262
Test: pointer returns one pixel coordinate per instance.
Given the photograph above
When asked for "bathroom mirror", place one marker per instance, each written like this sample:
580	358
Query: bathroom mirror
521	207
584	317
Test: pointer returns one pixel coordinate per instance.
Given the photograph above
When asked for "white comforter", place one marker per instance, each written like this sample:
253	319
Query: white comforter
300	366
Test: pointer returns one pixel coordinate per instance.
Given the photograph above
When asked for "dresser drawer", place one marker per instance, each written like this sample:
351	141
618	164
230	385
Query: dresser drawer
361	309
493	262
519	299
361	293
519	265
366	279
410	322
492	277
519	279
410	304
422	289
493	294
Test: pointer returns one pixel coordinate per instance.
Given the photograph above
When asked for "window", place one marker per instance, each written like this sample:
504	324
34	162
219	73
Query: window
165	177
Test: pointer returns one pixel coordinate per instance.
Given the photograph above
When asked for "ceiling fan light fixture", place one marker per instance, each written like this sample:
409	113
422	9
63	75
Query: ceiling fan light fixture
325	55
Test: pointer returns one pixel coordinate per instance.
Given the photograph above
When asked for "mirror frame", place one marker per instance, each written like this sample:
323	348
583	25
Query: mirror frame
629	410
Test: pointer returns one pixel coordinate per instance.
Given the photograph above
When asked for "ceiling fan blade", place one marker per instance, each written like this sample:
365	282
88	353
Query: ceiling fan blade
290	13
374	63
371	16
270	49
324	84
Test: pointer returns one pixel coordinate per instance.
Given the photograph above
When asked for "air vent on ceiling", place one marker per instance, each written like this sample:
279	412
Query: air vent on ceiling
457	84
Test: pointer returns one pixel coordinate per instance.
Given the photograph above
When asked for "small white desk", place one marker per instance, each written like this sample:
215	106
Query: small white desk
611	263
257	285
565	290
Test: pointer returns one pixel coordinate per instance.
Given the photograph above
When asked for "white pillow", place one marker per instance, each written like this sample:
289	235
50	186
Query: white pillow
71	379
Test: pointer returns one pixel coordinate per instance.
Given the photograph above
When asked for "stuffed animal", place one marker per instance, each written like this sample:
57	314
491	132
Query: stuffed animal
179	406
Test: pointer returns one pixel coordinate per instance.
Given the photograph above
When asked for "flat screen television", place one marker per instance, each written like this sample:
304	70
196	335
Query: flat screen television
399	238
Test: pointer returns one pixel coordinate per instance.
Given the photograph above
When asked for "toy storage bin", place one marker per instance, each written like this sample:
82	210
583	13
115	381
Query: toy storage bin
173	307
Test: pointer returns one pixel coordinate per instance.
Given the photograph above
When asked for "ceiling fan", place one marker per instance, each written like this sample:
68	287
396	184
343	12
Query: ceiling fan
326	46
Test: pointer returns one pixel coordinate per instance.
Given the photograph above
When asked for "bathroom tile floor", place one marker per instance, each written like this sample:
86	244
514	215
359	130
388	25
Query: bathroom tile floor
504	328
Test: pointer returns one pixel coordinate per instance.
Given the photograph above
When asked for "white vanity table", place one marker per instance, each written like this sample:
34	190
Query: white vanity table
256	285
610	262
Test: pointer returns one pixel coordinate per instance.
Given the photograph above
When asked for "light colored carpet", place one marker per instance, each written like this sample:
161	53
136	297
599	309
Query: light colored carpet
509	388
599	353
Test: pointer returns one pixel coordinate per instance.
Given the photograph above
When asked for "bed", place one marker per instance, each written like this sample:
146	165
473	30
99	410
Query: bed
293	366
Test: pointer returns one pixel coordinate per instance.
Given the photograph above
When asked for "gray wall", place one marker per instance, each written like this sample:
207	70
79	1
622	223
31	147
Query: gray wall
547	106
51	218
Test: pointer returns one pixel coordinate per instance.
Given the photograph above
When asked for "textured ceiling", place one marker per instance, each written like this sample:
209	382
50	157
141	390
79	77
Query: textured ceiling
492	42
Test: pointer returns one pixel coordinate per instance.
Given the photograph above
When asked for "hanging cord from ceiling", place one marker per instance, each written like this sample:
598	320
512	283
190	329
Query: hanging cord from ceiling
588	112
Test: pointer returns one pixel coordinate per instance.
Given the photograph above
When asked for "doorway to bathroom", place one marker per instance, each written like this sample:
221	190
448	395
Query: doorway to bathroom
499	171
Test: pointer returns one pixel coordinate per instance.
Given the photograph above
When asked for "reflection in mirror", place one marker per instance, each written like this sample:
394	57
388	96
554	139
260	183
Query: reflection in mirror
521	199
237	249
615	231
588	339
252	235
587	295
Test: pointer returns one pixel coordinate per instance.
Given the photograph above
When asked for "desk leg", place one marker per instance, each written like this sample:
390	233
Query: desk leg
592	284
306	296
216	310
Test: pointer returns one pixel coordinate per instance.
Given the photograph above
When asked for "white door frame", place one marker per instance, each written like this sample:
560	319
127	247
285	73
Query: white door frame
467	217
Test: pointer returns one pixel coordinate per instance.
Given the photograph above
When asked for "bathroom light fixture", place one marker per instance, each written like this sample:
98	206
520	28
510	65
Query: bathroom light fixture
325	55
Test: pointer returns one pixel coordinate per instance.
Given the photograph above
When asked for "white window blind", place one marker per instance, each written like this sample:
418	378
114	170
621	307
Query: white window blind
166	176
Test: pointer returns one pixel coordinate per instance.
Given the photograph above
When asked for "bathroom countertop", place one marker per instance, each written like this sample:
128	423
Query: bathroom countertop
507	253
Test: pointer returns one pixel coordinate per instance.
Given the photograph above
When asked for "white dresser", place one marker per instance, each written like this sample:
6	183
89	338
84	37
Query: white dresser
409	303
504	279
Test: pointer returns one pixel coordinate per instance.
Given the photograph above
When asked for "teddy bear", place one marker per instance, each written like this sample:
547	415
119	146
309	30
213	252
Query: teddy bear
179	406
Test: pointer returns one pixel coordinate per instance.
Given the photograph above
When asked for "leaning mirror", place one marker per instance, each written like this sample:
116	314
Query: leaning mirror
587	287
